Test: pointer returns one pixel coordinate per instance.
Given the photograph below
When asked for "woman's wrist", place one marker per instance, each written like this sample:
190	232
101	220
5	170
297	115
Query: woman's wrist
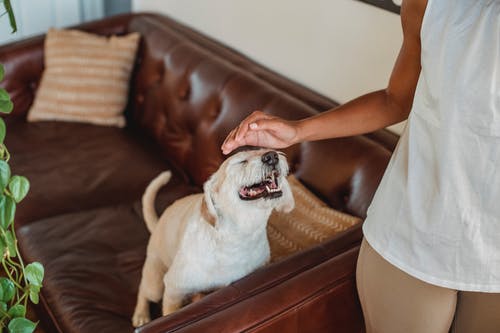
300	131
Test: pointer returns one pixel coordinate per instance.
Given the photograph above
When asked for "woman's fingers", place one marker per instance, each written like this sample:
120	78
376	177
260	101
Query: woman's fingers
245	124
229	142
265	124
240	135
283	132
235	138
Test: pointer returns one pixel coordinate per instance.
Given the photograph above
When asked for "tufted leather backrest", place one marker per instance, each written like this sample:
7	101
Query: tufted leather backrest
188	95
189	91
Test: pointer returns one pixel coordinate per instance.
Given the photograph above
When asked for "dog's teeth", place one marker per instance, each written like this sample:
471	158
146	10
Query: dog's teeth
268	189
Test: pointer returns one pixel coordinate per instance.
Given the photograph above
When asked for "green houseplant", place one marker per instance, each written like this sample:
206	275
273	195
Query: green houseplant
18	283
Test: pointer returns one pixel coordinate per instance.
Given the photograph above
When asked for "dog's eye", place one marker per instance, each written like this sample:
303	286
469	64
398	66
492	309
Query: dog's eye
243	162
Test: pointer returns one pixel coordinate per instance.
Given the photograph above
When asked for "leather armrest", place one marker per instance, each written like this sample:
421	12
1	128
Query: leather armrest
228	309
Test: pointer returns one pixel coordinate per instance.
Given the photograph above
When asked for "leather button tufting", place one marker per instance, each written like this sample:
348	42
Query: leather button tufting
184	92
215	109
140	98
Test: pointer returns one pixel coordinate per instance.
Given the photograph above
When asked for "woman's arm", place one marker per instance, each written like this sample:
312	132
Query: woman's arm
361	115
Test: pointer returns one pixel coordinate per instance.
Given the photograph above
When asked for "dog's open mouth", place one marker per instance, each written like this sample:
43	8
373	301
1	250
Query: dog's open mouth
268	188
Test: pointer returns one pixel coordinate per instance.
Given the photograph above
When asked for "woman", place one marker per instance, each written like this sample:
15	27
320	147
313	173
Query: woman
431	249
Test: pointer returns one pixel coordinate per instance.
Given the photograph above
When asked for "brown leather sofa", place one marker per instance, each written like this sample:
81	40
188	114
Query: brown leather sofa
82	217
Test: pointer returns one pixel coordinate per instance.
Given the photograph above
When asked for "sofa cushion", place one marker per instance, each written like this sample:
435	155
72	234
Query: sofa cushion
93	261
86	78
73	166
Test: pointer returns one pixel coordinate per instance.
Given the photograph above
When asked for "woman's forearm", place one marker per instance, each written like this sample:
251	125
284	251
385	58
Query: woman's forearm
365	114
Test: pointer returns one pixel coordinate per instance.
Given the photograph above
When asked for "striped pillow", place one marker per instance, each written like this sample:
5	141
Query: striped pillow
86	78
310	223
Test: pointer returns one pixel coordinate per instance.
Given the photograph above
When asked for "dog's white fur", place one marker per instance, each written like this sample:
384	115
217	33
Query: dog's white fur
206	241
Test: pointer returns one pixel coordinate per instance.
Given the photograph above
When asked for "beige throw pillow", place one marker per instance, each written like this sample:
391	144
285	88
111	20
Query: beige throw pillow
86	78
311	222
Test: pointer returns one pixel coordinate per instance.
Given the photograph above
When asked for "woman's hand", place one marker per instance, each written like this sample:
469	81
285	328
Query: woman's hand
262	130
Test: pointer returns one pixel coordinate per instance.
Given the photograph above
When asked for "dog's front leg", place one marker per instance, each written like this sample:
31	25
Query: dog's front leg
141	312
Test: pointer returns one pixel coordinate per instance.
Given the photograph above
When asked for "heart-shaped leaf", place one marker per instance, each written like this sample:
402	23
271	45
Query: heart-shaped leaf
3	247
4	95
8	289
17	311
34	293
12	18
4	175
6	106
3	130
19	187
34	273
11	244
21	325
7	211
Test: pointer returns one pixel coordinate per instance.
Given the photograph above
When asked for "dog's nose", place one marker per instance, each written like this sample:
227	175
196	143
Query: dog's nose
270	158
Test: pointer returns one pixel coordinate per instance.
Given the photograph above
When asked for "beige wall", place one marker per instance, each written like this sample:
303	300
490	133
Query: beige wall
340	48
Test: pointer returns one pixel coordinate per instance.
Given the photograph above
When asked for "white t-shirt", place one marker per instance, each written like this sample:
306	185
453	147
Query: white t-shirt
436	213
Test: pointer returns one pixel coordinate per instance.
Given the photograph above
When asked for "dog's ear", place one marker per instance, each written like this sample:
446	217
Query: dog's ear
287	202
207	206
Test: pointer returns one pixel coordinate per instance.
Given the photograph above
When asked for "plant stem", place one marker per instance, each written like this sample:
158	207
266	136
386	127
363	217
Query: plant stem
24	297
8	154
4	314
18	253
10	276
12	262
17	274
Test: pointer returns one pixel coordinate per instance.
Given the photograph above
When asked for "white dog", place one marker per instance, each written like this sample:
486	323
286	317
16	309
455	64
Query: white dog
206	241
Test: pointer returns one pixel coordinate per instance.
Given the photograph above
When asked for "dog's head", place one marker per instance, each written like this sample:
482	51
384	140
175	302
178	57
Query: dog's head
250	181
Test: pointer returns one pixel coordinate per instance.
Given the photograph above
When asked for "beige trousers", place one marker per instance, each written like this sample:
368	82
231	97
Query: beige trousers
395	302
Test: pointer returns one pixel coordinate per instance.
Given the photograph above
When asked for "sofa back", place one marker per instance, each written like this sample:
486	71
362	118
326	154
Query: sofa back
188	92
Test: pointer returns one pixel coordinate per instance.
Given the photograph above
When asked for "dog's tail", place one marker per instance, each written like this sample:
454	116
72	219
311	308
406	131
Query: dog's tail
148	199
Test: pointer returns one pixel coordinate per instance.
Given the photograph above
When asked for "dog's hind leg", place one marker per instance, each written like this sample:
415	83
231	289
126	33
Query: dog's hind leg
171	304
172	299
197	297
150	289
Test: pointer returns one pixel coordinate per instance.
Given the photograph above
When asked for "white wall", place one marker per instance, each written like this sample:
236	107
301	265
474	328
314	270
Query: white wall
36	17
340	48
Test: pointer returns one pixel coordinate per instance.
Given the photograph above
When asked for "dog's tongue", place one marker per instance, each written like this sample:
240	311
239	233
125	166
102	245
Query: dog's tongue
253	191
266	187
272	182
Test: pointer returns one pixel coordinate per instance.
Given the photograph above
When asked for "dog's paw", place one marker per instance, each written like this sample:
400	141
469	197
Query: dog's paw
140	318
